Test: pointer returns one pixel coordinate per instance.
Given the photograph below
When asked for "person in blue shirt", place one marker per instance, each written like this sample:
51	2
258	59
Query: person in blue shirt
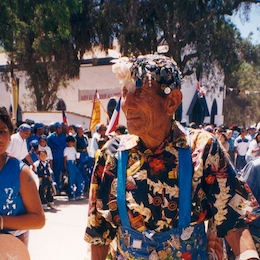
38	130
20	205
85	163
57	142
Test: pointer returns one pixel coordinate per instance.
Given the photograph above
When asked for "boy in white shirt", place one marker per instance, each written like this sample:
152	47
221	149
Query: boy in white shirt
43	146
75	185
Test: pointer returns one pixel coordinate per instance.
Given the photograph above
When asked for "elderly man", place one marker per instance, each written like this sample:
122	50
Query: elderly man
18	147
156	190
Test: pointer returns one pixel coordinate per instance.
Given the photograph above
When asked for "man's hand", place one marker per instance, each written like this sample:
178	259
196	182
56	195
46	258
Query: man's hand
99	252
241	241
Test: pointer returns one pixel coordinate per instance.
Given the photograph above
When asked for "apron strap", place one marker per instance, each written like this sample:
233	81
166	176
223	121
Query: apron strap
121	180
185	184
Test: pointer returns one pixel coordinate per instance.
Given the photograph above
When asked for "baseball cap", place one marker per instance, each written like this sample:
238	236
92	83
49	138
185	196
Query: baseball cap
24	127
37	126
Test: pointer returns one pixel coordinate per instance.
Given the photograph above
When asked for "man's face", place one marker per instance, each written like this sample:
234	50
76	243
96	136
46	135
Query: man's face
58	130
251	131
25	133
42	156
43	142
144	109
80	131
243	132
40	131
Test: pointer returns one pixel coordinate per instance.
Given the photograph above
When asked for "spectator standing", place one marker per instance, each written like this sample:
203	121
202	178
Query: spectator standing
38	130
72	130
34	147
75	187
44	172
43	146
18	147
254	148
224	140
84	161
57	142
241	146
231	141
251	132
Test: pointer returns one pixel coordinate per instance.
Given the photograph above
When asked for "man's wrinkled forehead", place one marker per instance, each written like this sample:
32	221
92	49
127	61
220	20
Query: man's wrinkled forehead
133	73
146	84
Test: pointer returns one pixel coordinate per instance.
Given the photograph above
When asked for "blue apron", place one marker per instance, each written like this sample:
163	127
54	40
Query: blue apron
183	242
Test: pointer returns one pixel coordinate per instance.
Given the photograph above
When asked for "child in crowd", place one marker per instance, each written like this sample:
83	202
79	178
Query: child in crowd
44	172
75	185
34	147
43	146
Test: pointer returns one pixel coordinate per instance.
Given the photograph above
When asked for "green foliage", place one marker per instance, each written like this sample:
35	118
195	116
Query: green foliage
37	36
139	25
244	99
48	38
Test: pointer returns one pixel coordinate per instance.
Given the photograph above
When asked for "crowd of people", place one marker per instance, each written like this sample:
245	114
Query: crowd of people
62	156
242	144
21	208
151	186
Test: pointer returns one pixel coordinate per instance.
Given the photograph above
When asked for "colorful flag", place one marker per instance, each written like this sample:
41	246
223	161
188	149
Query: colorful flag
114	119
95	117
64	117
201	90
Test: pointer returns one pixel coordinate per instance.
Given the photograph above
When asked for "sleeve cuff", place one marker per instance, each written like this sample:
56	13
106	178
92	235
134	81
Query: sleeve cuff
247	255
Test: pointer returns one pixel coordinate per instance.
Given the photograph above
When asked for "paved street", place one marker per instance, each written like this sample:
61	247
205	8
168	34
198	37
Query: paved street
62	236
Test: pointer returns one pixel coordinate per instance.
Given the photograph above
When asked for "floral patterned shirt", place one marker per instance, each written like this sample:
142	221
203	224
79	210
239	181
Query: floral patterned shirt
152	190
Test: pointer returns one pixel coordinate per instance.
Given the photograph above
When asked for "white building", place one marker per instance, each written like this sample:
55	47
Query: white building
78	97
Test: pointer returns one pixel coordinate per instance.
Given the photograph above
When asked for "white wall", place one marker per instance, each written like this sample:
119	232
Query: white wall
100	78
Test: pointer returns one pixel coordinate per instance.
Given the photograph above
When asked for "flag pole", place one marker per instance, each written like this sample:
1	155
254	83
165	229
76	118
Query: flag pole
92	109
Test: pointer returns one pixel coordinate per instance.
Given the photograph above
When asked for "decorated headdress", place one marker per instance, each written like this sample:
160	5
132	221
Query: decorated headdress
133	72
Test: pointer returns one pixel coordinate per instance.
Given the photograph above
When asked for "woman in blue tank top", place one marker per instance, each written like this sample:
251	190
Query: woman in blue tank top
20	206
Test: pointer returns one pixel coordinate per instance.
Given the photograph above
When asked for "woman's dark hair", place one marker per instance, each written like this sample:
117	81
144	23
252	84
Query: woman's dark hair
5	117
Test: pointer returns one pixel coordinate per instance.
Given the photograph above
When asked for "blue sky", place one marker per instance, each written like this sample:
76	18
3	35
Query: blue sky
251	26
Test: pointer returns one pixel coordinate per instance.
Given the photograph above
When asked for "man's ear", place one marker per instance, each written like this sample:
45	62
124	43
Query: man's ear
173	101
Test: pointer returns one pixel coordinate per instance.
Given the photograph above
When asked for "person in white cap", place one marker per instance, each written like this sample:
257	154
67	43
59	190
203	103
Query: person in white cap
18	146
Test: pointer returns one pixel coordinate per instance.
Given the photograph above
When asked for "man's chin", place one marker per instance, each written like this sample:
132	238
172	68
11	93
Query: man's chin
135	129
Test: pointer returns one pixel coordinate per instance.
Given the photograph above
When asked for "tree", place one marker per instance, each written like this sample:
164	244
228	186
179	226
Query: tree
47	39
139	25
242	104
37	37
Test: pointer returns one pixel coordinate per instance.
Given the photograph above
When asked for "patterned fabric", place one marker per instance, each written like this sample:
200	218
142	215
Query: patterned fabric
152	192
178	243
